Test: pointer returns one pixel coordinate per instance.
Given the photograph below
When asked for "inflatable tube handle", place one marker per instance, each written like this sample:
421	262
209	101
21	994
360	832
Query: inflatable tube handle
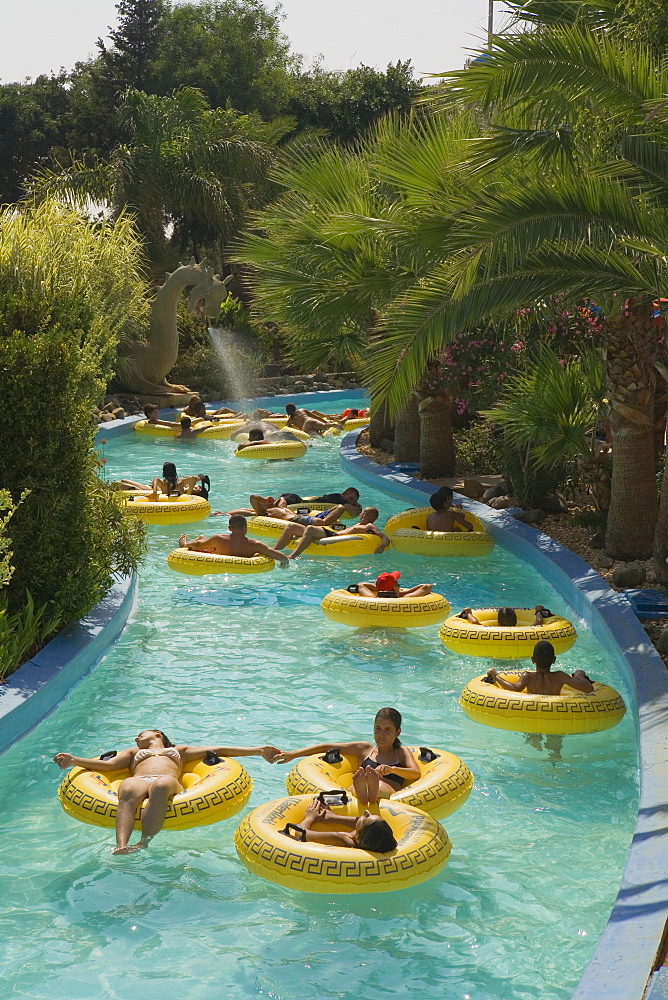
210	758
108	755
332	757
337	793
427	755
294	826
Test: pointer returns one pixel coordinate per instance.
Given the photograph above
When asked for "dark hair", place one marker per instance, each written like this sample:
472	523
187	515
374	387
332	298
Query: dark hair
237	521
199	407
543	654
351	489
353	413
507	617
185	423
202	488
169	475
441	498
290	408
150	408
377	837
394	717
256	434
165	739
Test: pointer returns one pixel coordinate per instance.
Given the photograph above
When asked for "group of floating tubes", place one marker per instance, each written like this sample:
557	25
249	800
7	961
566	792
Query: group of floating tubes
211	792
408	532
393	612
221	431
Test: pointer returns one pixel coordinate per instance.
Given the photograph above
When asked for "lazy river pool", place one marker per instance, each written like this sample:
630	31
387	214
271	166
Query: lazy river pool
538	849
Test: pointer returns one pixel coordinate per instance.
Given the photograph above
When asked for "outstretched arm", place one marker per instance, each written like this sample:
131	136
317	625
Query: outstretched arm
265	550
196	753
120	762
357	749
384	540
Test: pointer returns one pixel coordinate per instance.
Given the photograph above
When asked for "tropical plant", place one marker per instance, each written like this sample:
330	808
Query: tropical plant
183	164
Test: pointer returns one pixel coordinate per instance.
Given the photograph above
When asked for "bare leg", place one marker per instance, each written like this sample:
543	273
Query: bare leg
130	793
155	810
311	534
289	532
360	786
553	745
373	784
260	504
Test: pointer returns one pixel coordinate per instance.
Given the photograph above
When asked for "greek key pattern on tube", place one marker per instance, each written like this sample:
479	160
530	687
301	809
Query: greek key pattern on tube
543	705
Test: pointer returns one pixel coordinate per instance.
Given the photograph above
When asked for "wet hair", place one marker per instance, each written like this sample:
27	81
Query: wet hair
441	498
186	422
351	489
353	414
237	521
165	739
507	617
149	409
377	837
394	717
201	489
256	434
543	654
169	475
199	407
290	408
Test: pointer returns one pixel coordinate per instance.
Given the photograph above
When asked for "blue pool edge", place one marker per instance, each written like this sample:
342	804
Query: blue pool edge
37	687
624	963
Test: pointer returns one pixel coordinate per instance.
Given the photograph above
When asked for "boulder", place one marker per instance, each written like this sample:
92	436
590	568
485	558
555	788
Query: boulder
597	540
105	416
387	445
534	516
500	503
473	489
662	642
554	504
629	575
499	490
606	562
118	413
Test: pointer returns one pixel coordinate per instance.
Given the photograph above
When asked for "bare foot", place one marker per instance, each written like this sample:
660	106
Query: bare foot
183	541
292	556
121	850
360	786
372	783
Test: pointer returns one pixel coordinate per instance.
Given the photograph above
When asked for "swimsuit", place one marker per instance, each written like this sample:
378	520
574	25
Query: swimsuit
307	519
145	753
395	779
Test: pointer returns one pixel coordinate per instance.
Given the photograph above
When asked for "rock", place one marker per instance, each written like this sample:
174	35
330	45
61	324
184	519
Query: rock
597	540
387	445
554	504
606	562
105	416
473	489
534	516
350	385
662	642
324	386
629	575
118	413
500	503
499	490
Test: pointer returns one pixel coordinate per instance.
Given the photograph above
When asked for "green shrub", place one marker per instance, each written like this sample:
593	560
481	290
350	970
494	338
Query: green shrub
228	373
529	482
479	452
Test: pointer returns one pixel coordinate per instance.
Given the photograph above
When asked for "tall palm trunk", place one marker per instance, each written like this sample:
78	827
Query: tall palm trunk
407	432
631	341
380	425
437	444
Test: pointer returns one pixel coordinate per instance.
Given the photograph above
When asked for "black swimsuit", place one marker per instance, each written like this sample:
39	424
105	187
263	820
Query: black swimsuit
396	779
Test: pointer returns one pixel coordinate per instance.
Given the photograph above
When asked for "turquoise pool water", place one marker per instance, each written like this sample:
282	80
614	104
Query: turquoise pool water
537	850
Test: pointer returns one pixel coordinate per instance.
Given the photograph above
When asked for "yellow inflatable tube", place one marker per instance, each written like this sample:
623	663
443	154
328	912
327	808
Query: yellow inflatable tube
345	547
505	642
184	509
444	784
210	793
302	435
273	451
221	432
567	713
422	850
408	531
208	563
392	612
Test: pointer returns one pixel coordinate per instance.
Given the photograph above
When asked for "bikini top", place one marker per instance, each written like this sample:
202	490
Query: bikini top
145	753
395	778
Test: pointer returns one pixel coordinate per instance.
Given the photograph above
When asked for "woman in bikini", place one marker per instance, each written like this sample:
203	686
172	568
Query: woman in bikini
383	767
171	483
155	765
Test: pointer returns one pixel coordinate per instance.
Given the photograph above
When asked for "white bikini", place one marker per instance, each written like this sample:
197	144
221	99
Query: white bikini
145	753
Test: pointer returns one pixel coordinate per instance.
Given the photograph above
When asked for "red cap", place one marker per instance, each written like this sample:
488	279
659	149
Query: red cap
386	581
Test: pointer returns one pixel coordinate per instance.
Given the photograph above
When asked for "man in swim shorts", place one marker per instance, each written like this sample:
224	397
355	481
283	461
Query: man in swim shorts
543	680
272	507
329	536
307	421
386	585
443	517
234	544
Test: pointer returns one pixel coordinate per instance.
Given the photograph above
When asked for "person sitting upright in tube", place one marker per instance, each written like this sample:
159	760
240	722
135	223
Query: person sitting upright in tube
387	586
443	517
543	680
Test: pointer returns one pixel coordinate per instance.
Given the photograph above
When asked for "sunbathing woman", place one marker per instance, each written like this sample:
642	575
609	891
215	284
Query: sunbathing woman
367	832
384	767
172	484
155	765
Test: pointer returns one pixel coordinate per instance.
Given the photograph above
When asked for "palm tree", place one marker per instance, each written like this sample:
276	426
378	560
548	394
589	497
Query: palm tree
578	222
183	165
